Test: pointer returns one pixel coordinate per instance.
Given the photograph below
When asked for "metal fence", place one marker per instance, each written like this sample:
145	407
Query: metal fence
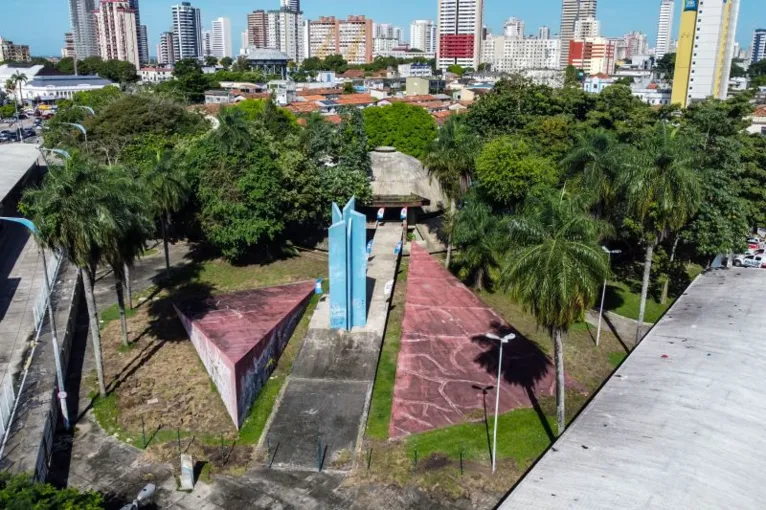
7	400
41	303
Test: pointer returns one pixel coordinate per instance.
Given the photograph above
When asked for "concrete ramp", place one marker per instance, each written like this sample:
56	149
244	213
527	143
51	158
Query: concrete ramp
322	412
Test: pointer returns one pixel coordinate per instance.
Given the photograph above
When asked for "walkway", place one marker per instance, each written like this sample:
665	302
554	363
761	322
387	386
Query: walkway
680	424
323	410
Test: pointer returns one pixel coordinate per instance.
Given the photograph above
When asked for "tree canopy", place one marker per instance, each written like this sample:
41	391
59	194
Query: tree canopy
409	128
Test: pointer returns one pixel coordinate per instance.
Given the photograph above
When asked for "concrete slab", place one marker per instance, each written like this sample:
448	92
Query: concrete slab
239	337
16	160
445	358
680	424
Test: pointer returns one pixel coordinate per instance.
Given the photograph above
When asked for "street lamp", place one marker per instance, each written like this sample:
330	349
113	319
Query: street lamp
603	292
86	108
80	128
504	340
60	152
54	336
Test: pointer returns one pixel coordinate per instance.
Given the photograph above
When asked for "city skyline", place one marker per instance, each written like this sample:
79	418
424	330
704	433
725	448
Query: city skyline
617	17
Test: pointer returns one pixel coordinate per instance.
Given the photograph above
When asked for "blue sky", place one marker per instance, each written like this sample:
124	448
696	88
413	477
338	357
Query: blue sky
42	23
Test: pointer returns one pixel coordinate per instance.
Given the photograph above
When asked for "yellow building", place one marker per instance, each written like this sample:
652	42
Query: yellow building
705	50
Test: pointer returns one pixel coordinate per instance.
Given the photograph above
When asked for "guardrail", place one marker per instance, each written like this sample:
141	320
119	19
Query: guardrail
41	304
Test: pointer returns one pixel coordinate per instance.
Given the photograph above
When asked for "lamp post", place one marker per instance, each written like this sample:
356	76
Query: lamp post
603	292
60	152
504	340
62	396
80	128
86	108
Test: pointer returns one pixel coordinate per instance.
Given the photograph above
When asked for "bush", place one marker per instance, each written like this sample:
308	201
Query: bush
20	492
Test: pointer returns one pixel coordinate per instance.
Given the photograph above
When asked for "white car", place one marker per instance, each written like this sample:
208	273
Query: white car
756	260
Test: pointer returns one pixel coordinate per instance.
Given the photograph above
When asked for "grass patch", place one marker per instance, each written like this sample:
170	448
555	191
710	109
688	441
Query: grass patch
615	358
520	436
113	313
259	412
106	412
383	390
622	301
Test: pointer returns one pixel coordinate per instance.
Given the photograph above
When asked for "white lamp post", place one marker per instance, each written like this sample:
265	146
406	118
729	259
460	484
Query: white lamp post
504	340
603	292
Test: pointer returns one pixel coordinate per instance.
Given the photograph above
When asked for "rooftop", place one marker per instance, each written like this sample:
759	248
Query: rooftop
68	81
680	423
15	161
254	53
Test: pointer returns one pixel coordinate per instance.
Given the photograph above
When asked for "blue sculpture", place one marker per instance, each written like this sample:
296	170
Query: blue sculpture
348	268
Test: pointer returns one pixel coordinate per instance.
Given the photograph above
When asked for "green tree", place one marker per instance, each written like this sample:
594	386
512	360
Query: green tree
7	111
572	76
241	65
482	239
190	79
348	88
666	66
334	63
508	171
556	272
451	160
456	69
77	211
551	137
118	71
663	193
409	128
596	162
90	65
211	61
21	492
758	69
19	79
753	179
65	65
737	71
226	62
354	149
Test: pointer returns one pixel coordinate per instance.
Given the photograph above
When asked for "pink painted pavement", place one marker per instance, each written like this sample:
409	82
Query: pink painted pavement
445	360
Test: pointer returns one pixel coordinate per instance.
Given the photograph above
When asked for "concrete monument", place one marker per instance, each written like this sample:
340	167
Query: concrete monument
348	267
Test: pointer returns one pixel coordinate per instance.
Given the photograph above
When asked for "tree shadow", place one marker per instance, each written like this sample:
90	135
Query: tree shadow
612	299
524	364
484	391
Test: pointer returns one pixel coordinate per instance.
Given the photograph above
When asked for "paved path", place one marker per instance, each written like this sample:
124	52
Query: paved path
21	281
622	327
321	415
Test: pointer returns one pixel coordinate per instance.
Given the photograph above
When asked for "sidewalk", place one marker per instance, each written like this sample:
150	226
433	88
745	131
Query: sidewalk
322	413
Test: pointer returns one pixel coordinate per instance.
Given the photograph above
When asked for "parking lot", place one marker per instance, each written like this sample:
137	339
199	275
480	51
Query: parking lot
26	129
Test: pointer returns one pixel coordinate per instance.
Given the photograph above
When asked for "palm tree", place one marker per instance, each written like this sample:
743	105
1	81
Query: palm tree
452	160
556	271
167	188
662	192
19	78
596	161
233	133
74	211
482	239
126	243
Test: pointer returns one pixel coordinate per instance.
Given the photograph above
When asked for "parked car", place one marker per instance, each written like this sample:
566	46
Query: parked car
754	244
758	261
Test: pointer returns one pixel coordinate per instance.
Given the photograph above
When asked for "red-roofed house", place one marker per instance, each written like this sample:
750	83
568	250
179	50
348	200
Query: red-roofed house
758	120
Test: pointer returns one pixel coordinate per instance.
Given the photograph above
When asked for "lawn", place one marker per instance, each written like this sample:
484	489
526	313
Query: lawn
383	391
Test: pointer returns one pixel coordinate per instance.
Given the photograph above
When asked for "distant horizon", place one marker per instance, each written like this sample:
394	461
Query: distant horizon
617	17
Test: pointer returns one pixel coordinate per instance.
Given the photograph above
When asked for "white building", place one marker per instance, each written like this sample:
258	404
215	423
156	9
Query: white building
155	74
187	27
514	54
207	43
386	31
758	48
543	32
713	49
571	11
383	46
414	70
221	38
587	27
513	27
423	35
285	32
116	32
68	50
664	28
637	44
243	42
459	33
48	88
166	53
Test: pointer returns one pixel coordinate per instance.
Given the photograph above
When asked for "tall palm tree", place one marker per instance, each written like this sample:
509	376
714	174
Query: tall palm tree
596	162
556	271
19	78
74	211
451	160
662	192
167	188
126	243
482	239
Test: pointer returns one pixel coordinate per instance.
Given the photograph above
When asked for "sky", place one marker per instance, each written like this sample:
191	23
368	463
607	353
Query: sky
42	23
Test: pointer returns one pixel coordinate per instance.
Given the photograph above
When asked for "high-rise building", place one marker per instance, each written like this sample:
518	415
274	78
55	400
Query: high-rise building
187	27
705	50
594	55
221	38
116	31
386	31
13	52
637	43
166	50
571	11
513	28
460	33
257	29
664	28
351	38
243	44
587	27
543	32
143	46
423	35
68	50
290	5
758	48
284	32
207	43
83	28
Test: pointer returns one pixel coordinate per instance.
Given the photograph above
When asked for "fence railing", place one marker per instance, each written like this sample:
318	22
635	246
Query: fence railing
41	303
7	400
